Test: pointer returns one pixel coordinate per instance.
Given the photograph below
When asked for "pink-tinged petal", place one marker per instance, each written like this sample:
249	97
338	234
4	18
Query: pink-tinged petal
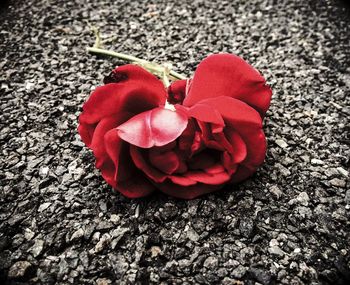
229	75
167	162
181	180
136	187
140	162
177	91
207	178
141	91
189	192
156	127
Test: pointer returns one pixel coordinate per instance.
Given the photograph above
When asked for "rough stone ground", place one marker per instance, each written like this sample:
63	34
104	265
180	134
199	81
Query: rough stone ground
61	223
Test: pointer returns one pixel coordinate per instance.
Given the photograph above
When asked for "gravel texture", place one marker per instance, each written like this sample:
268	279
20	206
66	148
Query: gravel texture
60	223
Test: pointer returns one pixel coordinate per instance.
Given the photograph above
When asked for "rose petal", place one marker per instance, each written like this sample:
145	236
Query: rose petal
214	169
207	178
228	162
201	161
124	176
108	172
185	141
177	91
181	180
247	122
86	132
197	144
156	127
208	138
140	162
113	144
140	92
136	72
239	148
256	147
222	140
97	143
207	114
229	75
237	113
167	162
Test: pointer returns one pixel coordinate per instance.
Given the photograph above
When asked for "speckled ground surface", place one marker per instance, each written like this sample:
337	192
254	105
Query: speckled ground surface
60	223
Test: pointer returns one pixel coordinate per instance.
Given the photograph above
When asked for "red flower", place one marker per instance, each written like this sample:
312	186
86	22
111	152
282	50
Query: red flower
214	136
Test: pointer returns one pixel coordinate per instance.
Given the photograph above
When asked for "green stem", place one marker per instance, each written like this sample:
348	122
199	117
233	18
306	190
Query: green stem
157	68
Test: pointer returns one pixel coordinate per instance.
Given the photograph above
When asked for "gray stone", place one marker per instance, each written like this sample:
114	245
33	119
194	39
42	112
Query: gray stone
316	161
192	235
155	251
347	197
211	262
343	172
115	219
276	191
102	243
260	275
338	182
281	143
103	281
283	170
239	272
20	270
246	227
302	199
37	248
275	250
230	281
79	233
44	206
28	234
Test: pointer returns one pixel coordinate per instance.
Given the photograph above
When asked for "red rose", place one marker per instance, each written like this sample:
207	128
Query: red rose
213	137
